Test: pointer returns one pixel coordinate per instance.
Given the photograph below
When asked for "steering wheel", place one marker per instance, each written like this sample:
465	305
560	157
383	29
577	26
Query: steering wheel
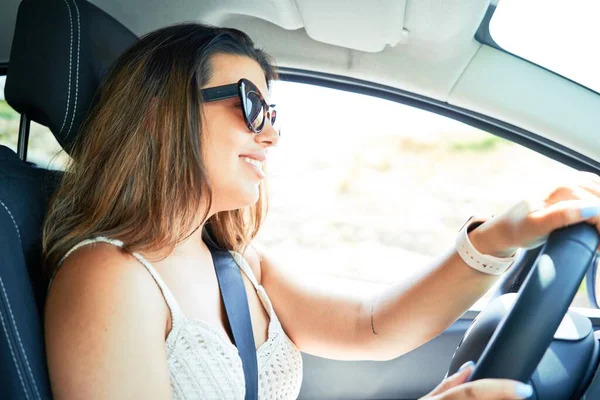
526	331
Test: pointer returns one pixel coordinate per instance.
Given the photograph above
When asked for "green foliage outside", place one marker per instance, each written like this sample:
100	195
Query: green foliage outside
9	125
484	144
7	113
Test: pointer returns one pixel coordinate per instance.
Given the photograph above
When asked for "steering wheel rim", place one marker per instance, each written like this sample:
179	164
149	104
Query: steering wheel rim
550	285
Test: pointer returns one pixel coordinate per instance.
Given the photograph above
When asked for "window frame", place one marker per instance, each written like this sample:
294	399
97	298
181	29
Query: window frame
496	127
525	138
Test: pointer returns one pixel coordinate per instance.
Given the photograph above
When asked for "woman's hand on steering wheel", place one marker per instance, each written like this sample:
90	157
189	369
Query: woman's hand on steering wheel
455	388
528	223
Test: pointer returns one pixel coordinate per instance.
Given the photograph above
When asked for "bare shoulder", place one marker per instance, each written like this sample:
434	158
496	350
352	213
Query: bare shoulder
105	322
101	271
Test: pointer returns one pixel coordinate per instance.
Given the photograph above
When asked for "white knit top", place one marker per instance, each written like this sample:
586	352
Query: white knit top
202	361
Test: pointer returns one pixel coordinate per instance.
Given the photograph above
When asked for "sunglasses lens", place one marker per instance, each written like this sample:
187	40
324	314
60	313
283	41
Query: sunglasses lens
254	111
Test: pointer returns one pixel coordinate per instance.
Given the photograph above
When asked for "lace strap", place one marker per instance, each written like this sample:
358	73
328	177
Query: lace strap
176	313
262	294
244	266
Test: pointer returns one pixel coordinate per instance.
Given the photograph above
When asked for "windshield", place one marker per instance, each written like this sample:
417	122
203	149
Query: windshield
557	35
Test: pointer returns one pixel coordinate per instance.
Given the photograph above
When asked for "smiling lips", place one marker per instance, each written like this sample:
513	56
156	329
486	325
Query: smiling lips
256	163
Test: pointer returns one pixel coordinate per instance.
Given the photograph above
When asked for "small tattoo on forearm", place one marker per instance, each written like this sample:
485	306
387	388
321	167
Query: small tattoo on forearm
372	326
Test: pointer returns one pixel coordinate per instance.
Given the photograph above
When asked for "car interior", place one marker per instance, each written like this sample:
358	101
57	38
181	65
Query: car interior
433	55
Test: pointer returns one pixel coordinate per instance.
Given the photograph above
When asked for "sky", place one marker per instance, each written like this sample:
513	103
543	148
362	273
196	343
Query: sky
559	35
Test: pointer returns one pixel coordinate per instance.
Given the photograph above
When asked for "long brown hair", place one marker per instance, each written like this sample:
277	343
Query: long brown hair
137	173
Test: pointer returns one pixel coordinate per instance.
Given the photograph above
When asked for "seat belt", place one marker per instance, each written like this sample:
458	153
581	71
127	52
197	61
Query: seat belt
234	297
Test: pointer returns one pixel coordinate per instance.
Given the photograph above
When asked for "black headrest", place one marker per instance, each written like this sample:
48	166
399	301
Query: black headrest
7	154
60	51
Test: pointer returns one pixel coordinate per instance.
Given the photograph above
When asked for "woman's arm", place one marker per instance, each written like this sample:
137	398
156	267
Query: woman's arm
333	323
407	315
105	323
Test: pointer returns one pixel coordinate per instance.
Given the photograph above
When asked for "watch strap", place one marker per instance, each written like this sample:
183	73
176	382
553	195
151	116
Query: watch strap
473	258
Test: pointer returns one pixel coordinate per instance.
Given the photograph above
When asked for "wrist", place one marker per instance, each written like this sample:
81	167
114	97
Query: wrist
478	253
484	239
477	247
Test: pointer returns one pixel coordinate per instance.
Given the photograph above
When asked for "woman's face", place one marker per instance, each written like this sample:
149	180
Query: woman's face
227	141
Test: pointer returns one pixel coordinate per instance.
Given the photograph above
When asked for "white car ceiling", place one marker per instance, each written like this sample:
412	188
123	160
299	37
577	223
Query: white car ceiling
425	47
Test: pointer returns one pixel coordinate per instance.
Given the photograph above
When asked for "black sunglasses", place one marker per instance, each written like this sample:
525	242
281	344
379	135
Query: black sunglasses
255	109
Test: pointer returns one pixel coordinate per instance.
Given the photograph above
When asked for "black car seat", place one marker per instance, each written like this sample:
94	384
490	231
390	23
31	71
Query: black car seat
60	50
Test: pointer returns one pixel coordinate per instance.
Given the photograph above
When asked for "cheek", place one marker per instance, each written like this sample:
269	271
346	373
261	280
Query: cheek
221	157
219	160
224	139
216	140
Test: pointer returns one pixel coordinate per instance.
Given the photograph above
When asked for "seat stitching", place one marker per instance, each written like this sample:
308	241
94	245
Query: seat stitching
77	71
11	313
70	58
12	317
12	353
13	219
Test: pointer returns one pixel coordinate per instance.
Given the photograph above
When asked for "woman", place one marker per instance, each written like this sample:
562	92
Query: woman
134	311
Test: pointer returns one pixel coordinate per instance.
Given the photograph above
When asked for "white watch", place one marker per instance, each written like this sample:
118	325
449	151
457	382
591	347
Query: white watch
473	258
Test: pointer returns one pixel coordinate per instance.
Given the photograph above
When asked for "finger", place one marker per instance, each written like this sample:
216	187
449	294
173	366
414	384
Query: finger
489	389
578	178
580	192
565	213
458	378
588	189
571	192
585	186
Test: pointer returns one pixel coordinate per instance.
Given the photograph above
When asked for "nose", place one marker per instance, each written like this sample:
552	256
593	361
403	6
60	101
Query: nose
269	135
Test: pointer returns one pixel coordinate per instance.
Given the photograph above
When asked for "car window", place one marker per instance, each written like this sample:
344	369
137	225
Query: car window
528	29
43	149
372	191
9	121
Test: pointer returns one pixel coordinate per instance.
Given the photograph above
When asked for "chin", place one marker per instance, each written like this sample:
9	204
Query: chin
242	198
250	197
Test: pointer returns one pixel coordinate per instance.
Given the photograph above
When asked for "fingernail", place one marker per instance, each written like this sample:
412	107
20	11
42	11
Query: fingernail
590	211
523	391
466	365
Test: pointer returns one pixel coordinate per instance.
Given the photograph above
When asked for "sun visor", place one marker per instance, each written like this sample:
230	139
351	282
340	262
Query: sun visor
359	25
